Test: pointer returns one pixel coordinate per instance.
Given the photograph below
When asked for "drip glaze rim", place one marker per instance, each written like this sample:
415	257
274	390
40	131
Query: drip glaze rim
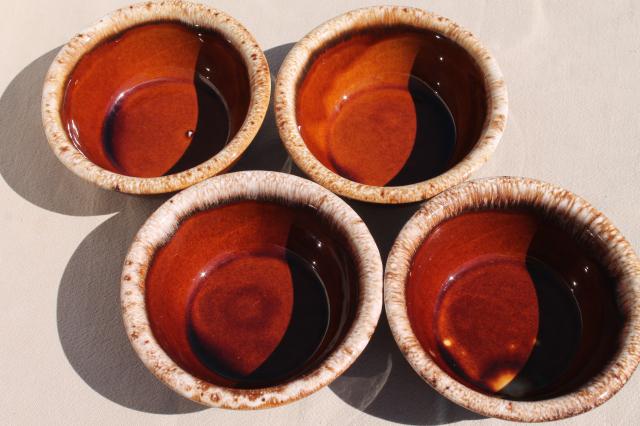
615	254
293	71
187	13
260	186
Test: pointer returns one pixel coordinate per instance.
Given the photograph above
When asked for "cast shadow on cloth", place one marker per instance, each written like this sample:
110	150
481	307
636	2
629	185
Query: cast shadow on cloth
89	319
381	382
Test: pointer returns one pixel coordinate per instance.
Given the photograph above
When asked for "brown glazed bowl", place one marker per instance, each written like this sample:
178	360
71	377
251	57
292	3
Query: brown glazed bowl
515	299
155	97
251	290
390	104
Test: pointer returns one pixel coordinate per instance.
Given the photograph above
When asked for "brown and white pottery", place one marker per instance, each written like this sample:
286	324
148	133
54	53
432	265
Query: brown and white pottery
390	104
251	290
155	97
515	299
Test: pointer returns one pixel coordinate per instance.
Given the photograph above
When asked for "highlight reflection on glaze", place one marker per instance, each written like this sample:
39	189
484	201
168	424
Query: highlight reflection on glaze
509	304
251	294
158	99
391	107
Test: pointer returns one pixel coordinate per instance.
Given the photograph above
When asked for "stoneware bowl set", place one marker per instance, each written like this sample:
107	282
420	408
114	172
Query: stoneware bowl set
511	297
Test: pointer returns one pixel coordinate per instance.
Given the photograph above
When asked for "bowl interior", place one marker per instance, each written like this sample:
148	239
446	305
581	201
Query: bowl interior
391	105
157	99
251	294
514	304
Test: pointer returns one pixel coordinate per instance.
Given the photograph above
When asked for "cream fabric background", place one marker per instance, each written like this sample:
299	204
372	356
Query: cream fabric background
572	73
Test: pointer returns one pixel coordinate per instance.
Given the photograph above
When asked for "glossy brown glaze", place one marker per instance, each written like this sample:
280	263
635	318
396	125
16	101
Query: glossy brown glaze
158	99
393	106
250	294
510	304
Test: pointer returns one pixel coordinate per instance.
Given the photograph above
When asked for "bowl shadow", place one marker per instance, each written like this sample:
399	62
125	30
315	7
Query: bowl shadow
381	382
27	163
89	318
90	324
267	152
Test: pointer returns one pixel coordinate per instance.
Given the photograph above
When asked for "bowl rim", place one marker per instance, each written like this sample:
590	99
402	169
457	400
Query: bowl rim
121	20
250	185
501	192
293	70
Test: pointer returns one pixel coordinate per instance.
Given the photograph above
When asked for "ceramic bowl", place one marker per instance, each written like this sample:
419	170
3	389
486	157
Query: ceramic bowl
390	104
515	299
155	97
251	290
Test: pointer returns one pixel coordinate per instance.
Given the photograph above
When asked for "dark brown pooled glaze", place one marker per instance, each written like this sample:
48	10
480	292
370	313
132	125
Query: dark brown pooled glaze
392	106
510	304
251	294
158	99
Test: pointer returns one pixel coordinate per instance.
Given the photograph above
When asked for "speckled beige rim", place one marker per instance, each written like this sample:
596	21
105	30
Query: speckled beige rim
252	185
113	24
297	62
615	253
